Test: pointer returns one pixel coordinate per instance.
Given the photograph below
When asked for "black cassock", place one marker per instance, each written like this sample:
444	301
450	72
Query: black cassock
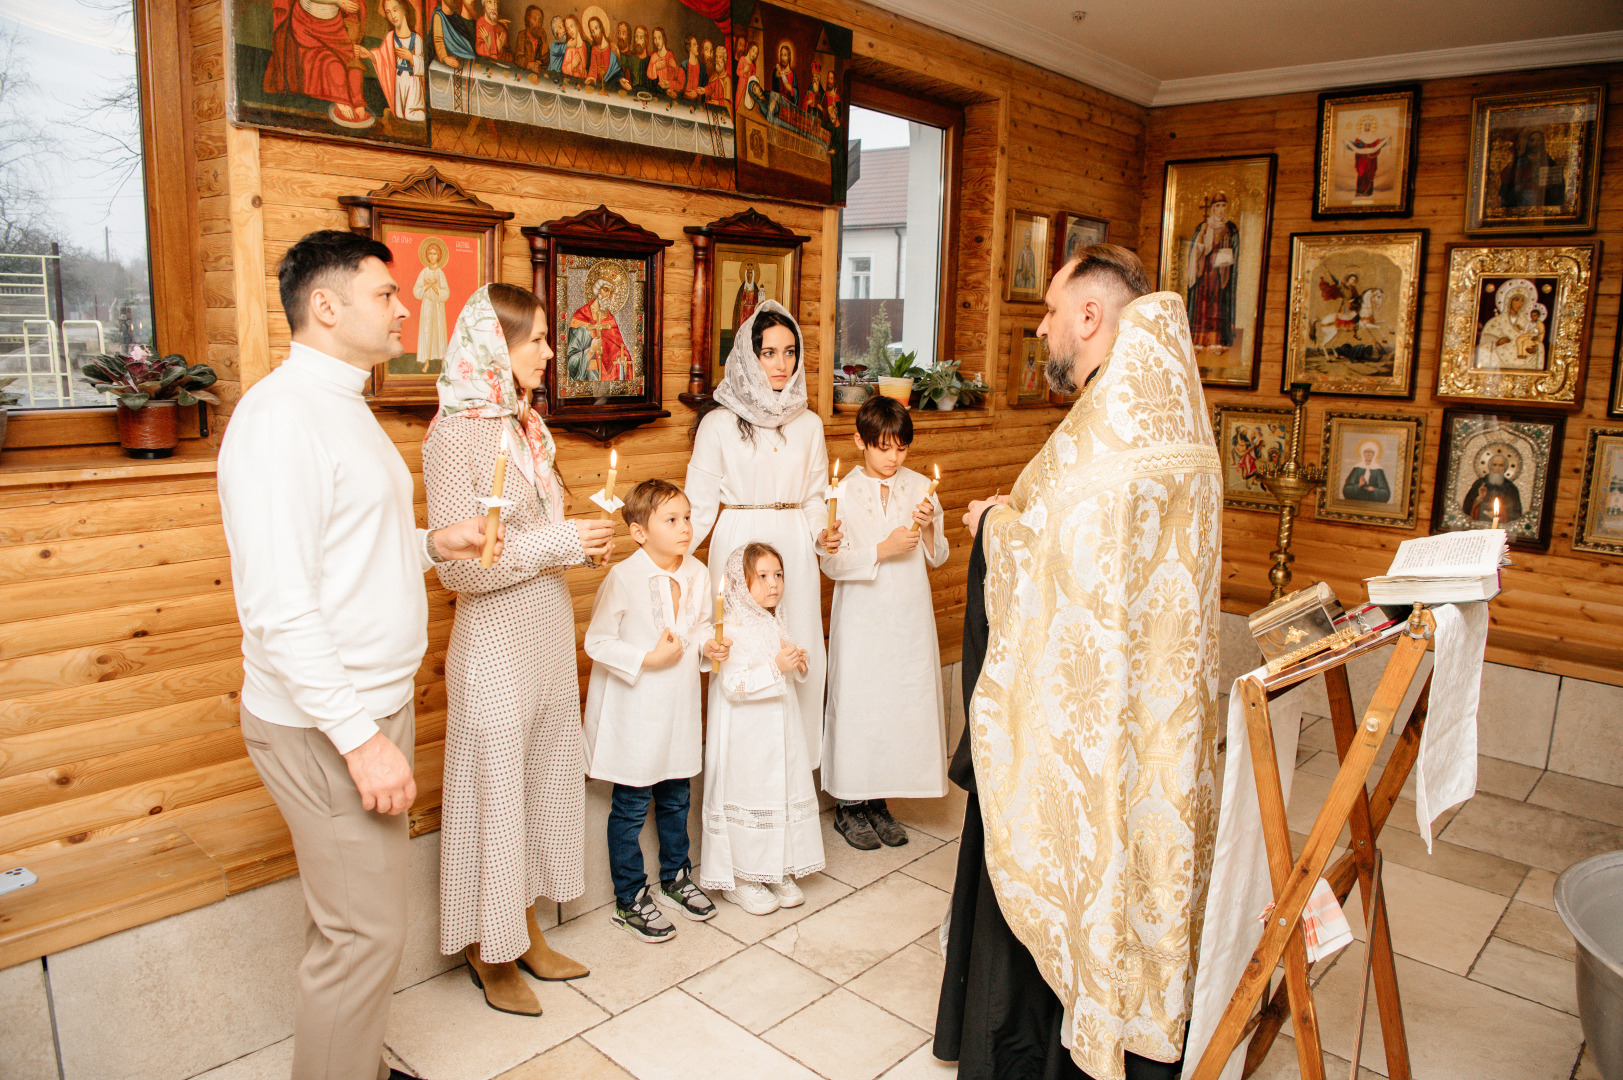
998	1019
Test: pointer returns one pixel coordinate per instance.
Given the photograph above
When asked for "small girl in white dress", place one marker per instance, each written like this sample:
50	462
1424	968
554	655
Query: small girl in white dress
761	827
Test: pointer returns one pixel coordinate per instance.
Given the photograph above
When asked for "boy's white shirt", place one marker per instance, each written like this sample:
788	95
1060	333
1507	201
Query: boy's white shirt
884	734
643	726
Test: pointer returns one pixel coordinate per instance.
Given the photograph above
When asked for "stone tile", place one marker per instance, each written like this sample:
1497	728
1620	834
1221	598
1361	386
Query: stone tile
732	920
1477	869
1529	974
1516	713
1507	778
921	1064
674	1037
1281	1064
1588	721
757	988
1582	798
1364	675
1537	928
842	941
941	818
1530	834
274	1062
1538	889
1317	734
1434	920
939	868
1586	1068
421	960
228	968
626	971
875	1040
599	887
1403	818
930	941
858	868
27	1046
443	1028
576	1059
1456	1028
907	985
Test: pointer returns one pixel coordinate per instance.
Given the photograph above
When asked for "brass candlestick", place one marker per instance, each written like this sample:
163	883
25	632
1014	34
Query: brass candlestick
1290	483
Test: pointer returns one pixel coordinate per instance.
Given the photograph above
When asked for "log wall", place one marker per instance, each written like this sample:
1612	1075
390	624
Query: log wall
1560	610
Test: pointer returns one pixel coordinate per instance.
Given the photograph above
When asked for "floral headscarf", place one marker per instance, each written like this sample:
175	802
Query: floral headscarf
476	382
744	388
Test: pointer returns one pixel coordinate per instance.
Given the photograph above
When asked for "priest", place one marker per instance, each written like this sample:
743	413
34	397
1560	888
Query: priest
1090	664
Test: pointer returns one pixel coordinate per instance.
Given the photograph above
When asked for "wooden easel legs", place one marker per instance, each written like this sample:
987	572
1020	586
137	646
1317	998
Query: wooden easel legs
1293	882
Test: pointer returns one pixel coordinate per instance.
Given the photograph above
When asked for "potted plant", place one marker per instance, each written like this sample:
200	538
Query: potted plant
852	387
972	393
8	398
896	374
149	389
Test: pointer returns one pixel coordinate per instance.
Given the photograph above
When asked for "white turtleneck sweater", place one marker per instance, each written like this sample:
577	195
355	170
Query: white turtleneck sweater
326	558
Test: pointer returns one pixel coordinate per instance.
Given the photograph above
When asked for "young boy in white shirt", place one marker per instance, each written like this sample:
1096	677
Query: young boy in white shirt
884	733
651	624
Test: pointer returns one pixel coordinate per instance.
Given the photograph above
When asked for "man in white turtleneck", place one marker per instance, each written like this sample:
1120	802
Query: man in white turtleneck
327	565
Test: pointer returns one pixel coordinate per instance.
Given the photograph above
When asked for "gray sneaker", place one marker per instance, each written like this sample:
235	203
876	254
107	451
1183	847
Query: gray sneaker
851	823
680	894
642	920
890	831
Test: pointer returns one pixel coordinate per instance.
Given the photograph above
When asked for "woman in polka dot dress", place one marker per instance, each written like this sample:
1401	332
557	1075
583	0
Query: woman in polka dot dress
514	789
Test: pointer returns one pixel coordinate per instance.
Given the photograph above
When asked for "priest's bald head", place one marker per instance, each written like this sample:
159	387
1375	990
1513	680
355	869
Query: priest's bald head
1084	304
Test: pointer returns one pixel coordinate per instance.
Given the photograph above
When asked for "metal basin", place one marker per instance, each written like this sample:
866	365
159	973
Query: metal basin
1589	897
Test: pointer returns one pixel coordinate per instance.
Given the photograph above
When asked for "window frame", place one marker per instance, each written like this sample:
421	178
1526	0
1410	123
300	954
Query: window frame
164	65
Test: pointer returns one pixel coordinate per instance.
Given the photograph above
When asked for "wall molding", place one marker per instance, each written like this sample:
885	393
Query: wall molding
984	24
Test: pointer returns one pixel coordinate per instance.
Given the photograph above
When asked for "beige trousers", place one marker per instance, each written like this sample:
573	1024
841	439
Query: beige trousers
353	866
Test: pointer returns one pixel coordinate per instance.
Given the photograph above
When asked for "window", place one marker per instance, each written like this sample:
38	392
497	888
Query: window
75	274
898	217
860	286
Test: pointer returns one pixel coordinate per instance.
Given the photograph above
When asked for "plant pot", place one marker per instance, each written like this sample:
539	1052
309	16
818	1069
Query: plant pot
898	389
849	397
152	431
949	402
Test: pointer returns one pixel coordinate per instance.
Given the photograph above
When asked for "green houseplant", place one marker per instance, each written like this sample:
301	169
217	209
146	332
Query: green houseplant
852	387
149	389
896	373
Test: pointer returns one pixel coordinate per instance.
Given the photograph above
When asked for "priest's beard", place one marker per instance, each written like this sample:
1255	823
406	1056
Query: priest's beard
1061	372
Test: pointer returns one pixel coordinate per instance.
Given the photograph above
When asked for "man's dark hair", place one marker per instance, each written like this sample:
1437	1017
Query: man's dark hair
325	259
882	419
647	497
1110	264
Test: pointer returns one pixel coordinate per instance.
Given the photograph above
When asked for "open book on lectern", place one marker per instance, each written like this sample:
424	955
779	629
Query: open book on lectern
1451	568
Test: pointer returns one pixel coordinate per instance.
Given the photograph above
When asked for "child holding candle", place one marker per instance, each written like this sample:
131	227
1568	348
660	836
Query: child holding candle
650	626
884	733
760	808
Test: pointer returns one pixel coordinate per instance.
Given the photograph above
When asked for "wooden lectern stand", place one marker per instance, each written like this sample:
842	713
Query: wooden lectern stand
1349	803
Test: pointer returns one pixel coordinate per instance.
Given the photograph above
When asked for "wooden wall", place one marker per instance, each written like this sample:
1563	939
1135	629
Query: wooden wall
1560	610
119	648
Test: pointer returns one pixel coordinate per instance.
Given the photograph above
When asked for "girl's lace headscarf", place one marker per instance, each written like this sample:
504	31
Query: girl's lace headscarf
744	388
746	620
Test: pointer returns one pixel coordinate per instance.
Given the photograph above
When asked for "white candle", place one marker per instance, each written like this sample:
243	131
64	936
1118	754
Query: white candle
720	593
493	516
933	485
833	482
608	488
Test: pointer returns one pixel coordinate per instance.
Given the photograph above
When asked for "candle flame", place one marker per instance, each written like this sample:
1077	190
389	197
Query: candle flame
1496	508
937	469
836	468
614	458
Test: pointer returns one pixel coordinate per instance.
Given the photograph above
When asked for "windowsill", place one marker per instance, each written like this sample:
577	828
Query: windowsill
42	467
923	420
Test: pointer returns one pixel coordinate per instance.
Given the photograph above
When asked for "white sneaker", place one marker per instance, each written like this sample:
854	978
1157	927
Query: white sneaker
788	893
753	897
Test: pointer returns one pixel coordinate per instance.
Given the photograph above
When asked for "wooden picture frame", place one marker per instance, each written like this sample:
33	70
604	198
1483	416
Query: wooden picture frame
598	275
1373	462
1499	346
1364	159
1028	360
1073	231
1353	312
724	253
1247	438
1026	266
1535	161
1614	402
416	218
1599	525
1218	260
1526	448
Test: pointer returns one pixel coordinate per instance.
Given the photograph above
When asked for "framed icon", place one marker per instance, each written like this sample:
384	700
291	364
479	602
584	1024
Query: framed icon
1504	461
1365	158
1372	462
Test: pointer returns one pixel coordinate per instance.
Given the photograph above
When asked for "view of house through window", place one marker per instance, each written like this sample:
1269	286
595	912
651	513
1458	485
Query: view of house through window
890	239
74	274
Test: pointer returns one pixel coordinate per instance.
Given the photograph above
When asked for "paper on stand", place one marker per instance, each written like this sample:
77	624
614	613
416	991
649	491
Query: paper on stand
1445	774
490	503
606	505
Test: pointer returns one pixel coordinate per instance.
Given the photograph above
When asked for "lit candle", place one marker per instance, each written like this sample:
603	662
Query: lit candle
1495	524
914	525
719	594
493	516
608	488
833	482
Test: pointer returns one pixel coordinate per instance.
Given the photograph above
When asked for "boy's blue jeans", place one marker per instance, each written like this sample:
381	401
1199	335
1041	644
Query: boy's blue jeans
627	811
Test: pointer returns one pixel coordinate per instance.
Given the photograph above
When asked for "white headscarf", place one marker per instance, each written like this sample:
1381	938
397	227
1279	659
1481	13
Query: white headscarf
747	620
744	388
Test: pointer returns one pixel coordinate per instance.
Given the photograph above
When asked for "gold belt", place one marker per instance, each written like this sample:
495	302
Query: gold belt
765	506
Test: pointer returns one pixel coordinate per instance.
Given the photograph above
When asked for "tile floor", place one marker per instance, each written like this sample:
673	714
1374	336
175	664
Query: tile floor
844	988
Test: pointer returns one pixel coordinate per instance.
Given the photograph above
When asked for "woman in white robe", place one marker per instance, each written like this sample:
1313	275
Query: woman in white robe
884	734
434	290
759	471
761	824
